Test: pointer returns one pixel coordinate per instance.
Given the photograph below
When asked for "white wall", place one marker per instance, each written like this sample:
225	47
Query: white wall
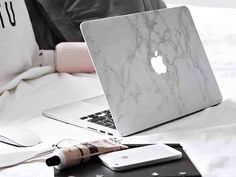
212	3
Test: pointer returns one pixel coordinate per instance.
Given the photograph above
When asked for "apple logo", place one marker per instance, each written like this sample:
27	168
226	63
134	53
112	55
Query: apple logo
157	64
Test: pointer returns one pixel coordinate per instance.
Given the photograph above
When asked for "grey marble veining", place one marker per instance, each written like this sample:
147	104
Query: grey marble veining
122	48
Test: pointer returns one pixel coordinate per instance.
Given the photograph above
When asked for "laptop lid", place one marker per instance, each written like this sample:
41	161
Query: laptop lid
152	67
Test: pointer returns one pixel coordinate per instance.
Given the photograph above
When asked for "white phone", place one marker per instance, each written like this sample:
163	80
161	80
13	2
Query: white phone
140	156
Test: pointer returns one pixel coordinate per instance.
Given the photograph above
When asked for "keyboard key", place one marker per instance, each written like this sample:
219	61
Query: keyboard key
98	113
100	123
108	124
83	118
103	117
112	126
106	111
91	120
108	121
95	119
92	116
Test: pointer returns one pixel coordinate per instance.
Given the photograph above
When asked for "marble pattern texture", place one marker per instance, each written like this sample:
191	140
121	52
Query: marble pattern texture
122	48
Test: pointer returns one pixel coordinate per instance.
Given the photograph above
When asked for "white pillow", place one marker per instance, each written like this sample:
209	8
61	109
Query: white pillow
17	40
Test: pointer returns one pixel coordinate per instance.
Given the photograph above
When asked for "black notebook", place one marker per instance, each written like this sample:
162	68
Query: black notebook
94	168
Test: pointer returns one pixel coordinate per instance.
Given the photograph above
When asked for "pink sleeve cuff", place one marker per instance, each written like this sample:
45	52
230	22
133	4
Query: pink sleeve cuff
73	57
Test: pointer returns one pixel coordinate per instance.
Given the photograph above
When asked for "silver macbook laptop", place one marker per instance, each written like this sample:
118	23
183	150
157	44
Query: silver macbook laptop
152	67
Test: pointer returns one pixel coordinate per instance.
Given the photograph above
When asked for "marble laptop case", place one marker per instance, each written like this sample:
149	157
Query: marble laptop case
152	67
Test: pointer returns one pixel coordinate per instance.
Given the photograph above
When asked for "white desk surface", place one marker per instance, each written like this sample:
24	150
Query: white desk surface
209	137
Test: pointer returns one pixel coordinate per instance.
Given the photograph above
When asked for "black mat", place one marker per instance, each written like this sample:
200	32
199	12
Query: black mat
176	168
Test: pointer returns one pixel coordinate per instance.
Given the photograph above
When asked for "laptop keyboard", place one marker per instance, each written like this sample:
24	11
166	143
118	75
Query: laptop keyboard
103	118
